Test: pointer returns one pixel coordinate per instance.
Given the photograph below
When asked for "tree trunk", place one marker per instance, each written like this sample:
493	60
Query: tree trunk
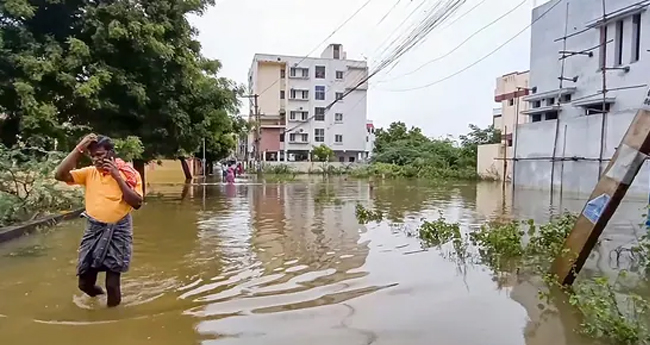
138	165
186	169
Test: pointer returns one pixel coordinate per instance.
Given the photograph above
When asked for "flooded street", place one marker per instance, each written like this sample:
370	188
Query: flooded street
288	263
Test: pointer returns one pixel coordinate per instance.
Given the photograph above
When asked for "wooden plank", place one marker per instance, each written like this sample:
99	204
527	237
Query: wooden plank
605	198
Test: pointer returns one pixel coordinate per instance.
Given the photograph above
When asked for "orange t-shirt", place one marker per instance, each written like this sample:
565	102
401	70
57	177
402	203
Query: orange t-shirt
103	195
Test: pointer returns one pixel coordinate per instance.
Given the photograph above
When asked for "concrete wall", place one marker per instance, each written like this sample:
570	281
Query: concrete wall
168	171
488	166
270	139
306	167
538	139
507	89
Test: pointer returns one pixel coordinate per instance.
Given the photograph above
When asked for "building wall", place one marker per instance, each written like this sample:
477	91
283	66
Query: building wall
167	171
270	139
370	138
509	94
268	73
307	167
352	126
578	134
487	166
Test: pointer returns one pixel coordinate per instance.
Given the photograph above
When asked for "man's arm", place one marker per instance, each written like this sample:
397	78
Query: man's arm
129	195
62	172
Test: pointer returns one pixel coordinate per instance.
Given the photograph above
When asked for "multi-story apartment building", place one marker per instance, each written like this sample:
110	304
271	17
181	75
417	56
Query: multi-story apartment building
295	101
568	140
509	92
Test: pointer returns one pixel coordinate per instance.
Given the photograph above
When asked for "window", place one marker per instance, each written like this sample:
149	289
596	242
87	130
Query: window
536	118
596	109
282	94
551	115
298	115
550	101
283	73
337	52
351	159
509	139
319	114
511	102
339	96
602	56
320	93
339	75
319	135
636	37
618	48
566	98
338	138
537	104
320	72
299	72
302	136
282	137
299	94
341	159
338	117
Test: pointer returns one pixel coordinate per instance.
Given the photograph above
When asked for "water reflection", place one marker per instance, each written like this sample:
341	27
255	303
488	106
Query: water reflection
278	263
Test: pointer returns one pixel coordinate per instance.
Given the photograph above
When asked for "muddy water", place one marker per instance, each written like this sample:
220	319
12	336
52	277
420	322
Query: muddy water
287	263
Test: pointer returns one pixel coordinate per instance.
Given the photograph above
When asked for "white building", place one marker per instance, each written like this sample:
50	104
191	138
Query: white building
370	138
296	102
566	116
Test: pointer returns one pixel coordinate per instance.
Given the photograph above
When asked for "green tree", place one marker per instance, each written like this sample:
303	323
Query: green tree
410	153
120	68
323	153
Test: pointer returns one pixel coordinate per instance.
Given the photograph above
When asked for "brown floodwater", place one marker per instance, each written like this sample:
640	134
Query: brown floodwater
287	263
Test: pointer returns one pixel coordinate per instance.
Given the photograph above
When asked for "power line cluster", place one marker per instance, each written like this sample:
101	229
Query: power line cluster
557	2
436	14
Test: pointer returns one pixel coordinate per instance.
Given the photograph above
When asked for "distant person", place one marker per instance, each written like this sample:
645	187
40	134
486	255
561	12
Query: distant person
112	190
240	168
230	177
224	171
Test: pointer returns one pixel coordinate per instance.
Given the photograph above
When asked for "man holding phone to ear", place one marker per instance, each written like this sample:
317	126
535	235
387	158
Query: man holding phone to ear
113	189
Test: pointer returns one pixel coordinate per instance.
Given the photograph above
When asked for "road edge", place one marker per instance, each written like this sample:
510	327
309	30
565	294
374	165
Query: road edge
12	232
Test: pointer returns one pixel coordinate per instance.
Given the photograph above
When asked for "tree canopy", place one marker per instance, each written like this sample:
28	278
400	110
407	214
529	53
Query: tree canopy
121	68
402	146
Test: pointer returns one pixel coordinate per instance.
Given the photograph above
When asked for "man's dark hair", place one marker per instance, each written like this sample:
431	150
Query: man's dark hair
102	141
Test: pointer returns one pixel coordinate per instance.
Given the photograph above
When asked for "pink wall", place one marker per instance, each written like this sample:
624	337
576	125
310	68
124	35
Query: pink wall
270	139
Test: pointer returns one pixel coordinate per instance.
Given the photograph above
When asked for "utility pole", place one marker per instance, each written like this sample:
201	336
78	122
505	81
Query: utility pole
204	161
258	131
258	128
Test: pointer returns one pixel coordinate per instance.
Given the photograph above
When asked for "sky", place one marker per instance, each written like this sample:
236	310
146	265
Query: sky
234	30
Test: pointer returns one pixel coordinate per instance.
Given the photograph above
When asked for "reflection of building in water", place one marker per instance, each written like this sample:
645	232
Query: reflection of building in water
308	224
492	203
547	324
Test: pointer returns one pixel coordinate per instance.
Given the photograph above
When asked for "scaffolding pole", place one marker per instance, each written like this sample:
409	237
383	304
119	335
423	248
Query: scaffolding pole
603	115
558	101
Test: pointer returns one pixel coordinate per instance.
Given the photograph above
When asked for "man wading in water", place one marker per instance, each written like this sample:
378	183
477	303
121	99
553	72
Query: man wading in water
113	189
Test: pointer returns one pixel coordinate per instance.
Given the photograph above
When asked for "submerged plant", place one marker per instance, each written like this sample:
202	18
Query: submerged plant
516	247
365	216
607	315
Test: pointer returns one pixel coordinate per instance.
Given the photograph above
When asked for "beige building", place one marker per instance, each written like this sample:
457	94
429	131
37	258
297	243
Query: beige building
297	107
494	159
